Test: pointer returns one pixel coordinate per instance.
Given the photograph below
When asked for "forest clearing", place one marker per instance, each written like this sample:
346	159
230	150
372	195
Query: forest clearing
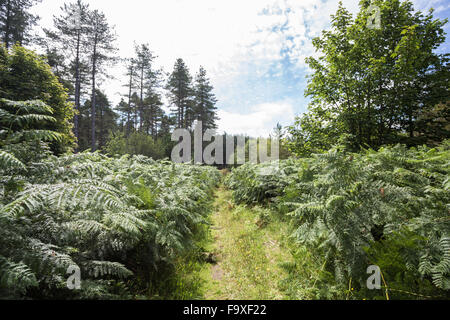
121	180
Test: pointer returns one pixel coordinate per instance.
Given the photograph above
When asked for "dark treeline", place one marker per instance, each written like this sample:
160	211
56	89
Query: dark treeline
16	21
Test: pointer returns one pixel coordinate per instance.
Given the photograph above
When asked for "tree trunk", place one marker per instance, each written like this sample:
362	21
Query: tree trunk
7	24
77	87
411	124
129	99
180	107
93	106
102	133
141	100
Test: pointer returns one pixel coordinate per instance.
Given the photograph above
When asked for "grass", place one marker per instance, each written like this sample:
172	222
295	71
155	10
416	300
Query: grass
253	259
250	250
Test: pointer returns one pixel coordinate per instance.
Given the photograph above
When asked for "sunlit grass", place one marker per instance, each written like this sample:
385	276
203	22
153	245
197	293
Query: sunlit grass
256	259
250	257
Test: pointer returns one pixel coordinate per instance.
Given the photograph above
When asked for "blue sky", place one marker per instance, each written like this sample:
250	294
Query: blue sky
253	50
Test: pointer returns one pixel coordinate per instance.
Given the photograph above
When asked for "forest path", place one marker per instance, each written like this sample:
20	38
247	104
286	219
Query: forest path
249	251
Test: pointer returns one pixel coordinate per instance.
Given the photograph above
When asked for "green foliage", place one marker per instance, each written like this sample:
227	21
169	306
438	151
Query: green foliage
24	76
136	143
379	86
7	160
25	121
105	119
122	221
17	276
253	184
179	85
388	207
22	134
397	258
205	109
16	21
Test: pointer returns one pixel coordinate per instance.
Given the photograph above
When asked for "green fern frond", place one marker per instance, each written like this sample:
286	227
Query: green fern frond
16	276
29	135
29	106
98	269
7	161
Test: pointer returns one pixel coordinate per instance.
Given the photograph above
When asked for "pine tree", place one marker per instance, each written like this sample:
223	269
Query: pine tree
153	113
130	85
70	38
124	114
205	101
142	85
180	95
101	38
16	21
105	121
144	60
134	105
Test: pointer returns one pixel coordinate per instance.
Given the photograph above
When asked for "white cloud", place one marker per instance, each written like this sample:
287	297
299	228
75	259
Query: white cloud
216	33
213	33
259	122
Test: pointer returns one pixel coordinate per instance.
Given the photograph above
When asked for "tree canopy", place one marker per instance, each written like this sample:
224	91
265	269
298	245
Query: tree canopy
376	86
26	76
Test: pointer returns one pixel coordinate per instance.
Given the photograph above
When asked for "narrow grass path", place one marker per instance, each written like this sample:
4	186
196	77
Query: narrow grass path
249	249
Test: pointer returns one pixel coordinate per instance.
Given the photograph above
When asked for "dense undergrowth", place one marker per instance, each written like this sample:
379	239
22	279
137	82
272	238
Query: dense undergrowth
348	211
135	227
128	224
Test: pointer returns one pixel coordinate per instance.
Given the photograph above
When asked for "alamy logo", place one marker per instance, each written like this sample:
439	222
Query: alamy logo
219	151
74	281
374	281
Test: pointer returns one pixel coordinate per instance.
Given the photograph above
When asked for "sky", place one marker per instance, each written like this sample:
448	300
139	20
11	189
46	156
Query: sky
253	50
